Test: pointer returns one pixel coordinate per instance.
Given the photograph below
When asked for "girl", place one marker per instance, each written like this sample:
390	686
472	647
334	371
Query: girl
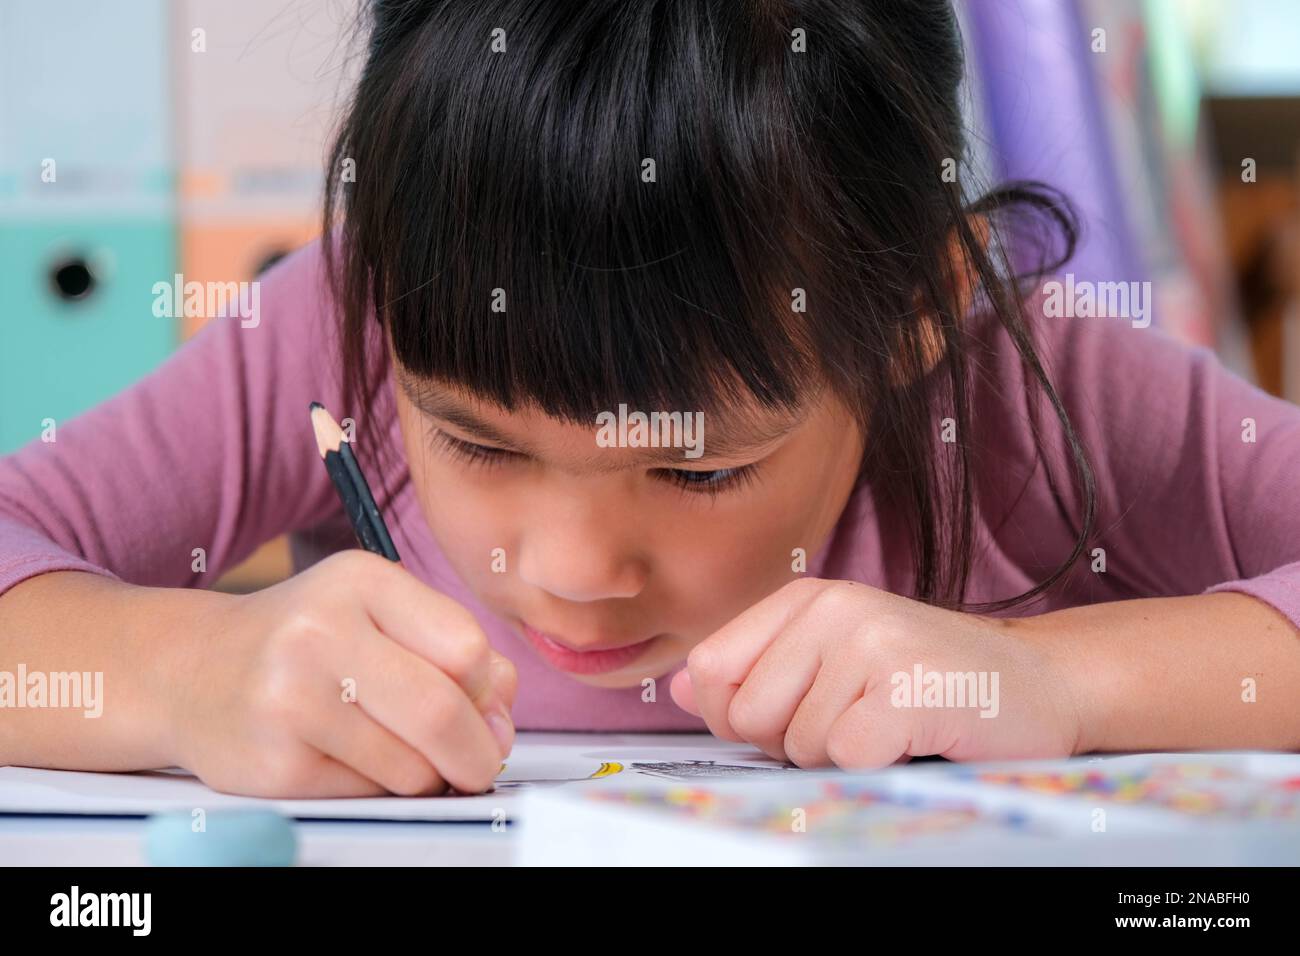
914	482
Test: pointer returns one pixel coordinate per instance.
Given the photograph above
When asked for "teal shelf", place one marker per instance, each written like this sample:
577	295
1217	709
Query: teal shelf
66	345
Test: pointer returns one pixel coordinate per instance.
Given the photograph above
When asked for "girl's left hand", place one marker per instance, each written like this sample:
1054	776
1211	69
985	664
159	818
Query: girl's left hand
821	673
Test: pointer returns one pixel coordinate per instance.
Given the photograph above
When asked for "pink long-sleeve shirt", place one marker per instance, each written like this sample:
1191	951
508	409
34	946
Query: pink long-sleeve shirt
213	450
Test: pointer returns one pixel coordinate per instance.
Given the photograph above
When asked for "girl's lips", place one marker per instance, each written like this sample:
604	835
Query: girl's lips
583	662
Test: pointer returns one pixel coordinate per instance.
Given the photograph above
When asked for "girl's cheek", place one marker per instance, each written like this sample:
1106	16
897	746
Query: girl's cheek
467	523
719	576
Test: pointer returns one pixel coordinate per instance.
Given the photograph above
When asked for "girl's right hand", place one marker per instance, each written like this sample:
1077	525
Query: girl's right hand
352	678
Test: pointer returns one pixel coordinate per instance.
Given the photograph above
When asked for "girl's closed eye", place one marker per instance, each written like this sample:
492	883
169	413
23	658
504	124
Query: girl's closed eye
710	482
699	482
470	452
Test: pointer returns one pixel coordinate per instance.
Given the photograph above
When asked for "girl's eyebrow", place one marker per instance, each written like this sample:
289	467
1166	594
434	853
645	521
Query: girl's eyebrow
718	443
443	407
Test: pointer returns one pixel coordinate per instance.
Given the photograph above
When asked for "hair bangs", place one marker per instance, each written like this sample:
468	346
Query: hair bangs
566	240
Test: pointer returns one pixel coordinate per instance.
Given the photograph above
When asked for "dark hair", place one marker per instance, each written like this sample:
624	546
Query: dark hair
776	169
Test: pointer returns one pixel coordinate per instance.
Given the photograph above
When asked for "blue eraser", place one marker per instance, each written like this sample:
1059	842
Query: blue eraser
220	838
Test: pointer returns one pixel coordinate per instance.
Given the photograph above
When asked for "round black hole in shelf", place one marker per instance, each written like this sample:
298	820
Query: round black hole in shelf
270	259
72	278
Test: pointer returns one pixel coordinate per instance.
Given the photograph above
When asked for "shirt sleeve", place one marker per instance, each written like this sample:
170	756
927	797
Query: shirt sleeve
212	450
1196	469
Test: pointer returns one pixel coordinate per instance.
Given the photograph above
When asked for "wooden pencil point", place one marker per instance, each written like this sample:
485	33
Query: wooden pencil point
329	436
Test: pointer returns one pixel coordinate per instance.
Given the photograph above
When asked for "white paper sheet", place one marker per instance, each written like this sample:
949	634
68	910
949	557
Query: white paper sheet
538	760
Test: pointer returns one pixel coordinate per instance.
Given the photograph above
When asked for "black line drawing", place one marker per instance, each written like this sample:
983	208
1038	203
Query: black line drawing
695	769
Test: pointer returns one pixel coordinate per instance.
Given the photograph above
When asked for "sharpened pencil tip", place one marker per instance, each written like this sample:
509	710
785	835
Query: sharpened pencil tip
313	406
328	433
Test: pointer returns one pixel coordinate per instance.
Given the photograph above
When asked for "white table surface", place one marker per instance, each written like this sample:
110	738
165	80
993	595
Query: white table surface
69	841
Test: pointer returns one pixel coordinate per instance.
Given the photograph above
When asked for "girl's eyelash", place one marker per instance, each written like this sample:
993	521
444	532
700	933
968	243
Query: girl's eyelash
695	482
469	452
710	482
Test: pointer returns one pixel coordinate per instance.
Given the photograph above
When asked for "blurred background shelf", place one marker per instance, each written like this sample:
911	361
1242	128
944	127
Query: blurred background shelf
189	136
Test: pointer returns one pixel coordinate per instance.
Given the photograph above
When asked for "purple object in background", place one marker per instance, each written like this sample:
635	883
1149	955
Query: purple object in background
1045	121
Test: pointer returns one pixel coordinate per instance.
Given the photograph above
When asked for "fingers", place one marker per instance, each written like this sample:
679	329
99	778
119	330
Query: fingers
504	679
356	741
833	692
505	682
428	710
431	625
720	664
871	734
764	706
330	779
683	692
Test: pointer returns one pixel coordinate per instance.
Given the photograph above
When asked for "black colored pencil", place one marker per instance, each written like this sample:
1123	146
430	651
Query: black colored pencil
383	540
344	470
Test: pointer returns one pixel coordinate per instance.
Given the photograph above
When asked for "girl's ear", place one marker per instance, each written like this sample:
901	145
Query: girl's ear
962	276
960	266
930	342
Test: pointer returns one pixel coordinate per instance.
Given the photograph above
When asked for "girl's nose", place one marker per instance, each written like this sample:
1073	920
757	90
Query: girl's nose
577	566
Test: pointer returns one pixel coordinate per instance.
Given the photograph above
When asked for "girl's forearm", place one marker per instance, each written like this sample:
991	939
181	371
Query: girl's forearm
1213	671
88	666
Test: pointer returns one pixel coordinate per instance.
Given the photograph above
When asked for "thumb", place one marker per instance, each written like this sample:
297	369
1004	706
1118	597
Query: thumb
683	693
503	679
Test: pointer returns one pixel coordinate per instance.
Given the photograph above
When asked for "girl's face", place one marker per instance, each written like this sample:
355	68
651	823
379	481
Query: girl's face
612	562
